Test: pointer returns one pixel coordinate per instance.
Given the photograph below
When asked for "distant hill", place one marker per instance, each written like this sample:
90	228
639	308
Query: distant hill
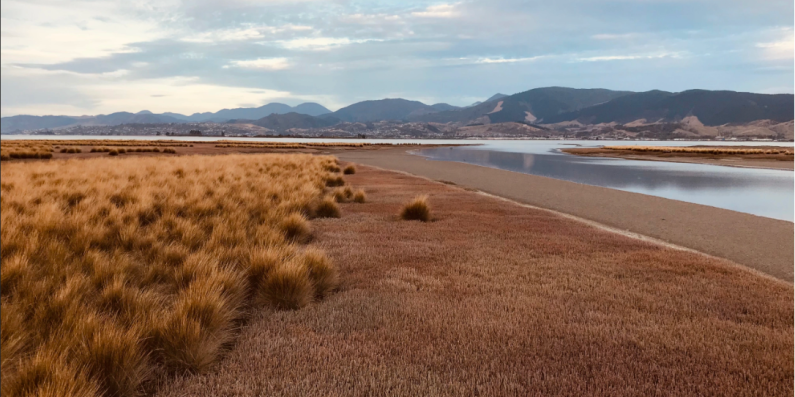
283	122
24	123
549	105
529	106
384	109
310	108
712	108
27	123
441	107
492	98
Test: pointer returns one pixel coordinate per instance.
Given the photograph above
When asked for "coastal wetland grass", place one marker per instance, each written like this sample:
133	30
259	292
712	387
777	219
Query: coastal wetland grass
135	269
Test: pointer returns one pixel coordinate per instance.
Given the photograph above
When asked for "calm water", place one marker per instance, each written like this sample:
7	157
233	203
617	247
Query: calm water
760	192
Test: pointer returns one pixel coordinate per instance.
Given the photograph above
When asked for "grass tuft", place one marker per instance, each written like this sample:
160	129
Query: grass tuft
349	170
288	286
327	208
418	209
323	274
296	228
359	196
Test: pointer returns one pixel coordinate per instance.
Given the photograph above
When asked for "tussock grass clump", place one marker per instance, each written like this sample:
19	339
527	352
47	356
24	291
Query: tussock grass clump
71	150
327	208
112	279
296	228
359	196
113	152
417	209
334	181
349	170
169	150
323	274
288	286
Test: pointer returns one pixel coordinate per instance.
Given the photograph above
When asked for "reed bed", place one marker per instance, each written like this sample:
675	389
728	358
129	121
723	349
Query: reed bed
118	273
25	150
704	150
290	145
104	149
120	142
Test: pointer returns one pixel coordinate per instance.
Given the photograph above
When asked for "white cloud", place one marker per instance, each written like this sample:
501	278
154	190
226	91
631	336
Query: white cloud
319	43
778	50
262	63
438	11
49	32
242	34
628	57
508	60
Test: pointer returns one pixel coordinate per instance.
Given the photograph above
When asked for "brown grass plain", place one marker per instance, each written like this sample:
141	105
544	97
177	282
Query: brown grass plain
491	298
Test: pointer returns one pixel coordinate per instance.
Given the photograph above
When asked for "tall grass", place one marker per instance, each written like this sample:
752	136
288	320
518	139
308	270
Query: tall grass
116	272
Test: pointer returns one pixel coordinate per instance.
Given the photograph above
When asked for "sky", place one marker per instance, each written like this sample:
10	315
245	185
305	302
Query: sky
81	57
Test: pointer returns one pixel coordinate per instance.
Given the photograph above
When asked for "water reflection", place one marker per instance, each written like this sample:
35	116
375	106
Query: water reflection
761	192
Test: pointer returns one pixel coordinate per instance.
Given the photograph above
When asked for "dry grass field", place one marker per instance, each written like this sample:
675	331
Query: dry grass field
491	298
118	272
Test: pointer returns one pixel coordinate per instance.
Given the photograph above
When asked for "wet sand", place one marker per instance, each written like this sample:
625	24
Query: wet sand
760	243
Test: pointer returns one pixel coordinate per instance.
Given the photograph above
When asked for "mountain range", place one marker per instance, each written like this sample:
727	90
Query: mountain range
540	106
27	123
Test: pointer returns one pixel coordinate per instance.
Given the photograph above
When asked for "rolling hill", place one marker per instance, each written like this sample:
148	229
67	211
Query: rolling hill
383	109
283	122
534	105
712	108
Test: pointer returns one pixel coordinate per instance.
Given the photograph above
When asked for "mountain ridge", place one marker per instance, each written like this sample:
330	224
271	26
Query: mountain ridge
538	106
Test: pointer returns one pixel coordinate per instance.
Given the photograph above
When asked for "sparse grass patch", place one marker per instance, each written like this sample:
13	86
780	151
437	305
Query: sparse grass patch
359	196
417	209
128	269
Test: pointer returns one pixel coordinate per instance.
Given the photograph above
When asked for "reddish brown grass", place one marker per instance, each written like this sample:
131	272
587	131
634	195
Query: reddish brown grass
495	299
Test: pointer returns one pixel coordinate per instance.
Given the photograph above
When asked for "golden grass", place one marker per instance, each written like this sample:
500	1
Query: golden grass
417	209
290	145
10	150
350	170
116	272
359	196
704	150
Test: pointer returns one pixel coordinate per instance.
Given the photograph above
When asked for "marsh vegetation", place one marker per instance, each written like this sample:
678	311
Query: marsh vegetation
117	272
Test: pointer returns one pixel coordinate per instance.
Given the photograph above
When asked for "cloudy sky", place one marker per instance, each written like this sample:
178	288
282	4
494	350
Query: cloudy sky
90	57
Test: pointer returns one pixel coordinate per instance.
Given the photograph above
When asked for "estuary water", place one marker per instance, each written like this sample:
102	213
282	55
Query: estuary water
762	192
